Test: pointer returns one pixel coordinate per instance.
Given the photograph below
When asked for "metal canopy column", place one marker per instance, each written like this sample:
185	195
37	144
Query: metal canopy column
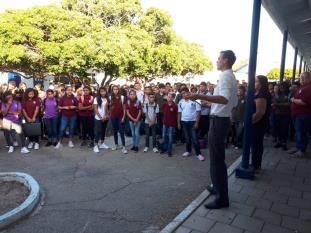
294	66
284	46
300	66
243	171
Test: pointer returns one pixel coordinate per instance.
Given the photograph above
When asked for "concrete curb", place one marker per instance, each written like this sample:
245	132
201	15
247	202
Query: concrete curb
28	205
180	218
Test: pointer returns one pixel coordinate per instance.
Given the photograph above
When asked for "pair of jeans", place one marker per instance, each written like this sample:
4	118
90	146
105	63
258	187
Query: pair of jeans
302	127
100	130
11	133
51	126
160	124
118	126
168	133
87	123
191	136
64	123
151	130
282	127
135	130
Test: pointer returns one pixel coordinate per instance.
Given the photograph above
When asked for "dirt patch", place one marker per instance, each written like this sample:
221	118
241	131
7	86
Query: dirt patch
12	194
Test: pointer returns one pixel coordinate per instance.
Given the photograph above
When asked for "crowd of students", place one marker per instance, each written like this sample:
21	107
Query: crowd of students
160	111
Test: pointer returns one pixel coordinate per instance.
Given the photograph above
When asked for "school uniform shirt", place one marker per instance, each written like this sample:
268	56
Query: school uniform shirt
226	87
86	101
30	106
304	94
151	110
116	107
101	108
133	107
140	96
68	101
188	110
50	108
14	107
170	114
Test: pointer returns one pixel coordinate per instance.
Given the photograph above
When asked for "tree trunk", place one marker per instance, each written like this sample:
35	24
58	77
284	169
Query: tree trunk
104	79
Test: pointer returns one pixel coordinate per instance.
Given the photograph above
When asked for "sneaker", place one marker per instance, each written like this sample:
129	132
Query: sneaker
54	144
299	154
136	149
24	150
15	143
146	149
30	145
103	146
96	149
292	151
58	145
70	144
186	154
83	143
49	144
114	147
155	150
133	148
36	147
11	149
201	158
124	151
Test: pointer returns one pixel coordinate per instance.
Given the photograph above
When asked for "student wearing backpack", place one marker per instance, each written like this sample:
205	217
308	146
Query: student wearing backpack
86	114
50	115
68	105
188	119
117	117
151	109
133	110
30	110
101	118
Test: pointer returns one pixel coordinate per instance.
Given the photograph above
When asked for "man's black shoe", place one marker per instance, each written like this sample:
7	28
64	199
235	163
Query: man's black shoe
136	149
133	148
216	205
211	190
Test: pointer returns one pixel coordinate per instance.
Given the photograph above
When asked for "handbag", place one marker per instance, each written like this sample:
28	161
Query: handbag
32	129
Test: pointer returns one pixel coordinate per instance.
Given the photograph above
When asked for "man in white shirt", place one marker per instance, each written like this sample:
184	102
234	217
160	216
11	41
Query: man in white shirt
223	100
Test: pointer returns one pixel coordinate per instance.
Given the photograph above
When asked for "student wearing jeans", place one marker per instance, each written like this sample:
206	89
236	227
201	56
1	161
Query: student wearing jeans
31	106
101	119
133	110
68	105
151	109
170	111
188	119
50	115
86	115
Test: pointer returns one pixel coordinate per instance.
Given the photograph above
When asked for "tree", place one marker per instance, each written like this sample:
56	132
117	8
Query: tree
274	74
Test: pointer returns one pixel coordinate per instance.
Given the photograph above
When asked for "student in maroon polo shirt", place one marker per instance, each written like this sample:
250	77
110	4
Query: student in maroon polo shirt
301	111
86	113
117	117
68	105
170	112
133	110
31	107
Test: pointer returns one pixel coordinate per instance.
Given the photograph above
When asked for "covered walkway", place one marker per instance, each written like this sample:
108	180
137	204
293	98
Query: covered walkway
278	201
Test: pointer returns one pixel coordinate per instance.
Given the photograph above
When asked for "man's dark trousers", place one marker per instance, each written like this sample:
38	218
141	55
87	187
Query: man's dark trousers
218	131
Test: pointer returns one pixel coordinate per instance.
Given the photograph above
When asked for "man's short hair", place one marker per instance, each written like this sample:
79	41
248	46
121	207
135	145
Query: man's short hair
161	85
185	89
229	54
203	84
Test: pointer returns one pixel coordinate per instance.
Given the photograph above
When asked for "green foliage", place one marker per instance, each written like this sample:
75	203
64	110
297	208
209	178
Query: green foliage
113	36
274	74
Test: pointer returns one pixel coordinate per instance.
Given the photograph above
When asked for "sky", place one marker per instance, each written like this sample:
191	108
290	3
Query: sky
215	24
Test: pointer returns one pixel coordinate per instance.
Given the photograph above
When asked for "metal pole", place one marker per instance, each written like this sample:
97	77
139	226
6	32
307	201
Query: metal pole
300	66
304	66
285	35
243	170
294	66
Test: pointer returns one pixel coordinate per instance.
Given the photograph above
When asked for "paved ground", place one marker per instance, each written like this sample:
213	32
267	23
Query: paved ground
89	193
278	201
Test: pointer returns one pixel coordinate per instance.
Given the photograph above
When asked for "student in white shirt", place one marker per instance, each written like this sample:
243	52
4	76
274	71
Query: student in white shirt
224	100
151	110
188	119
101	119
